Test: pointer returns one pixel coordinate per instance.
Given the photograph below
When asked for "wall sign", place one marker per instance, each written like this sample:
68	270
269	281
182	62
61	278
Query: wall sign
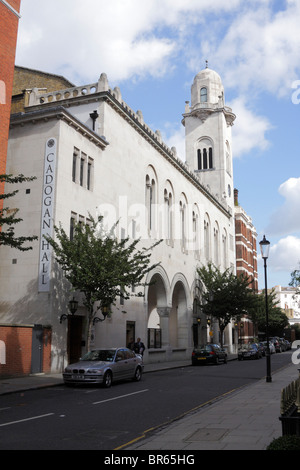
47	221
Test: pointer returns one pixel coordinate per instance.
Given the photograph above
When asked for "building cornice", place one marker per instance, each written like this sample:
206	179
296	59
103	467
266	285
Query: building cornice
41	101
15	12
33	117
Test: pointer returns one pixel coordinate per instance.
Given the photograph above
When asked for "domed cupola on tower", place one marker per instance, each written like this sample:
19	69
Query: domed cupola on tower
207	89
208	125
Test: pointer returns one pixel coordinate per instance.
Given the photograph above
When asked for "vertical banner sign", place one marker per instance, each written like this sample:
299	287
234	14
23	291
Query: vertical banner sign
47	222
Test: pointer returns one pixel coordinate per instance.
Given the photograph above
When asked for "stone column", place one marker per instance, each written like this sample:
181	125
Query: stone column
164	313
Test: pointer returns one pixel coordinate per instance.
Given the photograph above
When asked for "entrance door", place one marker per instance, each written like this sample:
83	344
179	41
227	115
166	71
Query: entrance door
74	338
37	349
130	332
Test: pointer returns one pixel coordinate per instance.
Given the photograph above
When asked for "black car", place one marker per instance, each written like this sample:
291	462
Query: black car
262	348
249	351
208	354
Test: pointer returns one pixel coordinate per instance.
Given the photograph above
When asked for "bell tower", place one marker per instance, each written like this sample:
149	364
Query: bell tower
208	124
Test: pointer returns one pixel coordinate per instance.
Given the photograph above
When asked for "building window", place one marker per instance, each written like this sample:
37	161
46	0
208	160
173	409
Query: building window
90	174
82	170
72	225
207	238
74	165
205	158
203	95
150	201
168	216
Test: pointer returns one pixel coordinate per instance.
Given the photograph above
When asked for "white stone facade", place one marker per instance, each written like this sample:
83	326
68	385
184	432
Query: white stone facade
131	175
289	301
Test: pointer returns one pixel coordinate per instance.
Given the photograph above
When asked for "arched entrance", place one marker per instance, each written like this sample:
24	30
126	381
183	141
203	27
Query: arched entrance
179	321
157	327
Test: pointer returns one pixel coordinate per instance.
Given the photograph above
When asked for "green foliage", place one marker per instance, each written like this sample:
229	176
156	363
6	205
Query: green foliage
8	217
285	443
226	295
100	266
277	318
295	279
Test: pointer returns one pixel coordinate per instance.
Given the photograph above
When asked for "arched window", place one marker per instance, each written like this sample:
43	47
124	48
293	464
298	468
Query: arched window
205	155
216	244
183	204
225	249
150	202
207	237
203	95
196	232
168	216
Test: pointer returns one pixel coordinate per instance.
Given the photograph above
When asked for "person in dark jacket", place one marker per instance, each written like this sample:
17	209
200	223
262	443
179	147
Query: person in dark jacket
139	347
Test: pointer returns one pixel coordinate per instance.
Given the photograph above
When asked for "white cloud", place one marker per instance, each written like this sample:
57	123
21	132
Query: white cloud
174	136
123	38
249	130
286	218
259	50
285	255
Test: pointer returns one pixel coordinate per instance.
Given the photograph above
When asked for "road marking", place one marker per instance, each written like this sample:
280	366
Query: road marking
121	396
27	419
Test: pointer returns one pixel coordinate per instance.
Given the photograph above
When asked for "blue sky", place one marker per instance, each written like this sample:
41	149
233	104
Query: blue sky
152	51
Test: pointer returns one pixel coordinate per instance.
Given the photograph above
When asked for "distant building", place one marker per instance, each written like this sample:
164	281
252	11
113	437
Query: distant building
33	80
289	301
91	153
246	262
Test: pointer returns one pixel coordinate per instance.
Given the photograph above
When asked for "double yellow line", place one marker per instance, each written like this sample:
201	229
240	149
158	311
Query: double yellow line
167	423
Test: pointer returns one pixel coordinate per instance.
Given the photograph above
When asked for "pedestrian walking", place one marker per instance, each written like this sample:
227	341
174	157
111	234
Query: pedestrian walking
139	347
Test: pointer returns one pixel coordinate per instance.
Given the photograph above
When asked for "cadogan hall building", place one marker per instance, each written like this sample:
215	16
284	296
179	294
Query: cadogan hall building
92	154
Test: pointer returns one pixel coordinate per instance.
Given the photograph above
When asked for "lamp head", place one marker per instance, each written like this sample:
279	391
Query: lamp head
264	248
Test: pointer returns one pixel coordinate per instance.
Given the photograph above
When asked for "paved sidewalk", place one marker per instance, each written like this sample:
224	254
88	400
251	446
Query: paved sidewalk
246	419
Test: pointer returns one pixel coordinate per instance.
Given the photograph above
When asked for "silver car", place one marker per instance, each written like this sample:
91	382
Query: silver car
103	366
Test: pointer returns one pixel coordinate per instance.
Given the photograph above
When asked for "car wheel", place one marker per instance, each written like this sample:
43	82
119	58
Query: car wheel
107	379
138	374
225	360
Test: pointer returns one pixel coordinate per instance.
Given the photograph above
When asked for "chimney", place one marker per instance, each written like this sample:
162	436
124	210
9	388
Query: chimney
236	197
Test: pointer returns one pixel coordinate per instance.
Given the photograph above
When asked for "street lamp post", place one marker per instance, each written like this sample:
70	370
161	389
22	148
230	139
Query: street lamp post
265	247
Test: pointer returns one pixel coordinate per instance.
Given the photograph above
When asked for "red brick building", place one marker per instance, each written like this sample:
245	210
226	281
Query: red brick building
18	343
246	261
9	21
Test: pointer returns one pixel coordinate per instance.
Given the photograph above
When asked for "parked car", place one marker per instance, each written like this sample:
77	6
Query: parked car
262	347
277	344
288	344
209	353
271	346
249	351
104	366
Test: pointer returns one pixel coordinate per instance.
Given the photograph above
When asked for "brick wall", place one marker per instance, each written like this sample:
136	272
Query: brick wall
8	40
27	79
18	349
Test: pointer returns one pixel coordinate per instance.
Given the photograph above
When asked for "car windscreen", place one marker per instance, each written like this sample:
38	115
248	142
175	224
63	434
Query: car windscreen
106	355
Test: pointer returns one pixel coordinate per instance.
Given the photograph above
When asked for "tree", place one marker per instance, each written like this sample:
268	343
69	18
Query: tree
100	266
295	280
277	320
8	217
226	295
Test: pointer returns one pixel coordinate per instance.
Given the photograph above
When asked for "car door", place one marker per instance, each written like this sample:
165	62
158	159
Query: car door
131	362
119	365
